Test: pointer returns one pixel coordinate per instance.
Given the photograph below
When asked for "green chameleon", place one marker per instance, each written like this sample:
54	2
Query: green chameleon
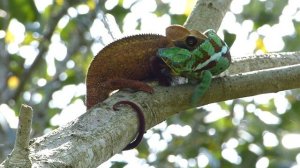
210	58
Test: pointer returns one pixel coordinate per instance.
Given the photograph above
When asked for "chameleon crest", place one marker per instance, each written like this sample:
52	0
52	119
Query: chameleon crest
210	57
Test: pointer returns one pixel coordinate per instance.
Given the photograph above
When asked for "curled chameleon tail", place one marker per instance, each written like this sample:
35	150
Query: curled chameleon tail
141	118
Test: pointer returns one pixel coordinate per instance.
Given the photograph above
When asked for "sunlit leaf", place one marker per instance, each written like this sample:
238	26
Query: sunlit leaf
260	45
28	38
13	82
91	4
9	38
189	6
59	2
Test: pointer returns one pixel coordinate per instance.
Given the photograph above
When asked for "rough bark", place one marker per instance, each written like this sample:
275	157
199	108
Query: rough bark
101	132
207	14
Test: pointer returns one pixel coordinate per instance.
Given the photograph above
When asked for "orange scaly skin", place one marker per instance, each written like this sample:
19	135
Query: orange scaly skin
126	62
122	64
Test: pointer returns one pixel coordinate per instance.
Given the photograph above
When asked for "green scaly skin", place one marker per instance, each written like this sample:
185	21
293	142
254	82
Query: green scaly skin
210	58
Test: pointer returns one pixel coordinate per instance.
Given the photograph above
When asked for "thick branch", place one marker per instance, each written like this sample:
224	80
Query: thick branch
100	133
207	14
263	61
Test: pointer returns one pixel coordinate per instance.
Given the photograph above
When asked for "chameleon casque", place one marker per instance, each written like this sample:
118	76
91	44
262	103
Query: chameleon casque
125	63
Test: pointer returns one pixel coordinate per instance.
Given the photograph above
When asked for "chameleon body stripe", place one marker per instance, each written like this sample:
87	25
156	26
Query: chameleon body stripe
215	56
211	55
207	47
212	35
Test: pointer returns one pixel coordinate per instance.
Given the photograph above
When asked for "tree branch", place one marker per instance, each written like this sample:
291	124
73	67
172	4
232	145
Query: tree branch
101	132
207	14
263	61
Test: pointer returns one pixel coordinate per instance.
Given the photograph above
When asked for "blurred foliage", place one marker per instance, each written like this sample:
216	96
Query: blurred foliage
266	12
57	48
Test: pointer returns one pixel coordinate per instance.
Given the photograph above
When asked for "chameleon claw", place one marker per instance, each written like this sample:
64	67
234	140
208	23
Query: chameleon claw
147	89
141	119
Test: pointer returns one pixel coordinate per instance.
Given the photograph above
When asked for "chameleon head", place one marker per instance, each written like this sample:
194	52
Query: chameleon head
176	59
212	54
219	57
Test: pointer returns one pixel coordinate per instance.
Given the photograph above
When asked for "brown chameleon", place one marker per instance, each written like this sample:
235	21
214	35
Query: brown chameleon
127	62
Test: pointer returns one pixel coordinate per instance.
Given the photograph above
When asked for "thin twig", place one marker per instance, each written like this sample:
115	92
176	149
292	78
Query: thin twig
19	157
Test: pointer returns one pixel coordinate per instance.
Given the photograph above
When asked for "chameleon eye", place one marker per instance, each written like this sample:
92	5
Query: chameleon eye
191	41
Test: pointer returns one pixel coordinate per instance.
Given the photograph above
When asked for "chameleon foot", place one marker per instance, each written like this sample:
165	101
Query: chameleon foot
120	83
202	87
141	119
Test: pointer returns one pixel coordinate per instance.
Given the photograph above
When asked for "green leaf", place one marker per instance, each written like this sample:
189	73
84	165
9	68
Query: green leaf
65	33
178	19
119	13
23	10
229	38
